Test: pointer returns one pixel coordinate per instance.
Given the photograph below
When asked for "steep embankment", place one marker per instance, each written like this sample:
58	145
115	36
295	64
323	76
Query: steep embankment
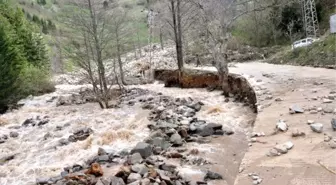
319	54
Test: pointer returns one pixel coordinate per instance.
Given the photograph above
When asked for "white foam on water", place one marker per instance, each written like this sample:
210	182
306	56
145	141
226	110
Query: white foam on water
38	157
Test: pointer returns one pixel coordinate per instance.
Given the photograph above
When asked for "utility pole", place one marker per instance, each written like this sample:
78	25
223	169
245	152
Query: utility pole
310	18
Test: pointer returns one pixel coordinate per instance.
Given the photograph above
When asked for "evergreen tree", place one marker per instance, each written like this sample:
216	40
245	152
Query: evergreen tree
11	63
23	57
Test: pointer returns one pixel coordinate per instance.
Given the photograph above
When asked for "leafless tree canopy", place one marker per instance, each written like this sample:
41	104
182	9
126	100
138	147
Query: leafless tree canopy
89	48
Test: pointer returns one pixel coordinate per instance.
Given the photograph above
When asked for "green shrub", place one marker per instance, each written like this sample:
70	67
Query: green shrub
34	81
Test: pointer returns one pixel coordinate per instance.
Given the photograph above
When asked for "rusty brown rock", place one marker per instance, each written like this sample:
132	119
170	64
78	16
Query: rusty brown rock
95	169
152	173
194	151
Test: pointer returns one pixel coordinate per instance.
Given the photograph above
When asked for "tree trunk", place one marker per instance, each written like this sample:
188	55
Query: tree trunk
176	14
179	31
119	59
223	72
161	39
139	44
99	55
135	52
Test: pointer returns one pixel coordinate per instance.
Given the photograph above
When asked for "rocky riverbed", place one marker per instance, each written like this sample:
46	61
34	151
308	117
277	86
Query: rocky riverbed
193	135
56	138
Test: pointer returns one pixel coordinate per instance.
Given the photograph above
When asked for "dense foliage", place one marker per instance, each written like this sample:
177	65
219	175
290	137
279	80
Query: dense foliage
24	63
279	24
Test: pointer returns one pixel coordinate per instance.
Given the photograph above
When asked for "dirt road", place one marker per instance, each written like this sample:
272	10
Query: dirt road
295	85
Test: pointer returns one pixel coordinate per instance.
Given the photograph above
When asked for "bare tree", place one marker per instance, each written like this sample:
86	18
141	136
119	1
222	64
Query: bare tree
176	17
120	27
89	21
218	17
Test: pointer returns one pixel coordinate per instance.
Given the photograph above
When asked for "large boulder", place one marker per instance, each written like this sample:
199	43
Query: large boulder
135	158
133	177
140	169
144	149
205	131
176	139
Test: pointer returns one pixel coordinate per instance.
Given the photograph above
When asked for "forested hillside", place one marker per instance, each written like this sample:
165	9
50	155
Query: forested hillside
23	57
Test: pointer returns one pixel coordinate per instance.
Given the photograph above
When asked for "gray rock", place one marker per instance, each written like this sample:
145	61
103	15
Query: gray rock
13	134
215	126
133	177
101	151
160	142
196	106
297	133
42	122
192	127
278	99
176	139
110	181
295	109
327	138
144	149
219	132
328	110
282	126
103	158
333	124
317	127
135	158
41	181
140	169
289	145
186	111
76	168
55	179
205	131
135	183
255	182
6	158
145	182
63	141
331	97
273	152
332	144
168	167
64	173
281	149
228	131
310	122
325	100
123	153
212	176
165	125
313	112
